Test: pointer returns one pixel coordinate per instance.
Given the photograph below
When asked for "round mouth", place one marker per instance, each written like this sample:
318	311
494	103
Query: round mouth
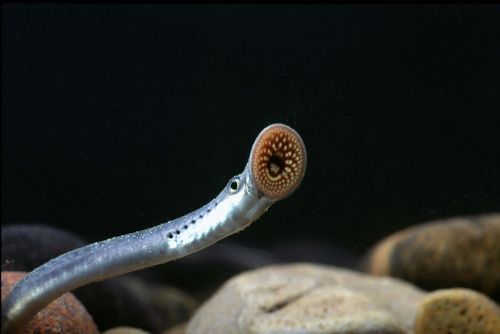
278	161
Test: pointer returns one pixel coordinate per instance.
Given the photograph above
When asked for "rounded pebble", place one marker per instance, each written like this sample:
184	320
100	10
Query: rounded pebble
458	252
64	315
307	298
125	330
457	311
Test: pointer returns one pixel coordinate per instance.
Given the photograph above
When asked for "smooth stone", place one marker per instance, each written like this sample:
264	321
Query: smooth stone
458	252
308	298
27	246
125	330
457	311
64	315
179	329
165	306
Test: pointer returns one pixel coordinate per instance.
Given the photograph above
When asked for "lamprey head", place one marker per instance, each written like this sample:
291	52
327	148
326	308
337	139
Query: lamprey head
277	161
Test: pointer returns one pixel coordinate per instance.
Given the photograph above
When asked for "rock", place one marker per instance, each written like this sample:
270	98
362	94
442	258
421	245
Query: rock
64	315
307	298
454	311
459	252
179	329
164	306
125	330
27	246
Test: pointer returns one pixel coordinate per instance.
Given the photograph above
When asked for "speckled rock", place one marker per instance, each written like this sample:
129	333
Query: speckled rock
64	315
459	252
457	311
307	298
125	330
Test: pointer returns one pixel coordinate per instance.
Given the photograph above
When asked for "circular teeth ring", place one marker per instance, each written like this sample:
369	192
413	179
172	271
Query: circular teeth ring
278	161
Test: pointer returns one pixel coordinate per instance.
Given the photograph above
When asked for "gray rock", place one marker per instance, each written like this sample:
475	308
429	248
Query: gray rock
307	298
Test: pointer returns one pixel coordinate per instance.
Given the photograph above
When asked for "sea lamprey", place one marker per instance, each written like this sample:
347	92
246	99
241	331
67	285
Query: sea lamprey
275	169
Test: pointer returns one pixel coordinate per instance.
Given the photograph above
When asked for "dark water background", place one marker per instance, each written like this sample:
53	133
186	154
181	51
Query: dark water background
116	118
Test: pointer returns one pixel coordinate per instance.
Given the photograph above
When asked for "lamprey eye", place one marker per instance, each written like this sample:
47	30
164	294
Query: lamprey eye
278	161
234	185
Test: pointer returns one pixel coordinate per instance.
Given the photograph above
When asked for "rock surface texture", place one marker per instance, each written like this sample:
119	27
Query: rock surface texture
460	252
307	298
125	330
457	311
64	315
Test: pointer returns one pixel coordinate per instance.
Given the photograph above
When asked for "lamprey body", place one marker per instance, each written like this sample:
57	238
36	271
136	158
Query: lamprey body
275	168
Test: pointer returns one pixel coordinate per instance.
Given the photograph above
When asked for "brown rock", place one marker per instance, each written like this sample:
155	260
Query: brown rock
461	252
306	298
64	315
179	329
454	311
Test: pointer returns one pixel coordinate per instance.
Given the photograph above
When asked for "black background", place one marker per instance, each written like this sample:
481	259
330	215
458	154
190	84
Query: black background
116	118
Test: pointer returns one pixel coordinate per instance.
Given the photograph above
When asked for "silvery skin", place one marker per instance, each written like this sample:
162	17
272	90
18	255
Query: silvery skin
240	203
